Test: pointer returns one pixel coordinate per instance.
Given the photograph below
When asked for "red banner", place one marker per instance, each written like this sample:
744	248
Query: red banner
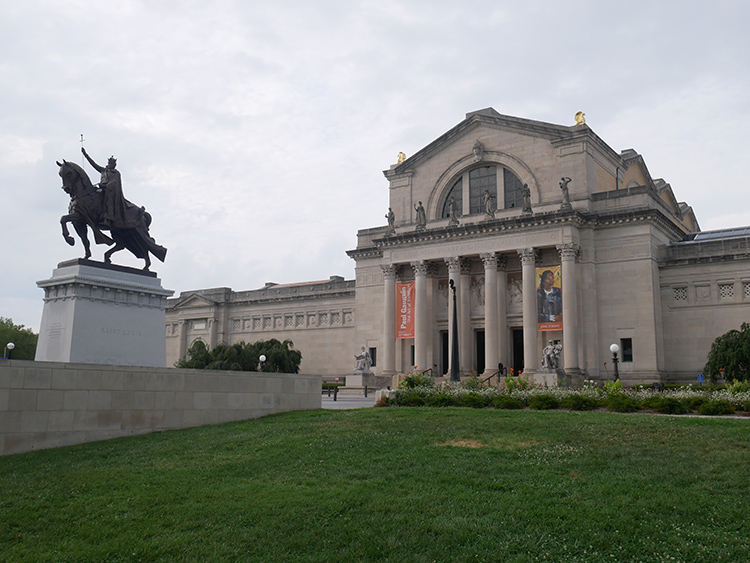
405	310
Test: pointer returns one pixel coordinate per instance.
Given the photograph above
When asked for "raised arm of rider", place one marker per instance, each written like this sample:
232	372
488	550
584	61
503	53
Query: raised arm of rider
98	168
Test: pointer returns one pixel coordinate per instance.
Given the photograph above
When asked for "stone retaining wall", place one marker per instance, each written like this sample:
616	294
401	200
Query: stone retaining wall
47	405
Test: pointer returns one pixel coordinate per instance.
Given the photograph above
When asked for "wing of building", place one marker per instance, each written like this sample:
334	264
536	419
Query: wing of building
549	237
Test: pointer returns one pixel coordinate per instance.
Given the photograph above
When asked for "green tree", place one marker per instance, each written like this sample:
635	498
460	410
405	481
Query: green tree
281	357
24	339
730	352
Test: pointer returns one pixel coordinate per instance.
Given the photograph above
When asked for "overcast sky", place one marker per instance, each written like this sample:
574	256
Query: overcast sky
256	132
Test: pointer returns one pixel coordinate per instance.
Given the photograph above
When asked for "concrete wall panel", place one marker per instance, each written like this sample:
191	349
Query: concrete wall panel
46	405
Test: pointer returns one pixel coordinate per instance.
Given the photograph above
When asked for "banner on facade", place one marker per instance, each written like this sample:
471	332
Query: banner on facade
405	310
549	299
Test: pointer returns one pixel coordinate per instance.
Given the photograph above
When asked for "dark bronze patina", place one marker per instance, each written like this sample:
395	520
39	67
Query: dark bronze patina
102	207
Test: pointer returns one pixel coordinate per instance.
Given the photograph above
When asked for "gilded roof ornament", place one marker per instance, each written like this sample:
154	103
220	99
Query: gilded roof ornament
401	157
580	118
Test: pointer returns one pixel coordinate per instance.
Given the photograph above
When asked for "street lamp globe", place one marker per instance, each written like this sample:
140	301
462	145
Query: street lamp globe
614	348
262	358
11	346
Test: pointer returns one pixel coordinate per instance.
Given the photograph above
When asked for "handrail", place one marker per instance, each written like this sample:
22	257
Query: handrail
503	371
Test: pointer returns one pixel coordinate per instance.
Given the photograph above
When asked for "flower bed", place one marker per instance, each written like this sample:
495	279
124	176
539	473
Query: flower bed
525	393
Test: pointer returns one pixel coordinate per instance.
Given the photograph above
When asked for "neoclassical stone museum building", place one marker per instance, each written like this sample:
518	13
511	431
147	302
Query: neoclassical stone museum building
547	235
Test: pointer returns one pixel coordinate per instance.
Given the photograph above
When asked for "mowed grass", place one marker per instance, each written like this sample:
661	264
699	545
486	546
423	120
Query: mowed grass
392	484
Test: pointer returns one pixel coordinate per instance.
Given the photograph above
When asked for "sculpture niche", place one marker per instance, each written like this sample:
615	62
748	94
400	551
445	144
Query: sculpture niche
102	207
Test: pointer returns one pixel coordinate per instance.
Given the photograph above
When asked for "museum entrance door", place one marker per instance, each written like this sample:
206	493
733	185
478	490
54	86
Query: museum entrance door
517	350
480	351
443	353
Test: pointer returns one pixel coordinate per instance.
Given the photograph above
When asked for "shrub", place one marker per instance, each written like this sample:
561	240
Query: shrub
621	403
442	400
473	400
580	403
543	402
670	405
416	380
473	383
730	354
738	386
611	387
652	403
522	382
280	356
506	403
409	400
694	403
715	408
383	401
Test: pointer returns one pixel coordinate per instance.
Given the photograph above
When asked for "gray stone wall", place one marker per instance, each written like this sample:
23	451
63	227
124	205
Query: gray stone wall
46	405
318	317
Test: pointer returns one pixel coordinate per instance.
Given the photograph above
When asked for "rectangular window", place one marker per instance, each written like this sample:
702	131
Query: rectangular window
412	355
374	356
626	346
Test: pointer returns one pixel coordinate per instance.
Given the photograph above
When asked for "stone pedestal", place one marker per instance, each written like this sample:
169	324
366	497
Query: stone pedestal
97	313
358	380
546	377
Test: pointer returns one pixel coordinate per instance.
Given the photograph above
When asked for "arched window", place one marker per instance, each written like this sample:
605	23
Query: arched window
513	189
456	192
481	180
501	183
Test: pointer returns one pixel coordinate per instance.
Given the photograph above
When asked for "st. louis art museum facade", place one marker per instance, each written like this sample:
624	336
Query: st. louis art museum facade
546	233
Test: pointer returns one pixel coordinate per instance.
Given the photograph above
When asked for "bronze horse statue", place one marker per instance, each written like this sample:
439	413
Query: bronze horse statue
88	209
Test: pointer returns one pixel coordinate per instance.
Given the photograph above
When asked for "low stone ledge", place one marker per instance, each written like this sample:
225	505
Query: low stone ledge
51	404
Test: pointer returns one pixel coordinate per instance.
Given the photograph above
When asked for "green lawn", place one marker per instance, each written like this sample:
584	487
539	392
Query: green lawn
391	484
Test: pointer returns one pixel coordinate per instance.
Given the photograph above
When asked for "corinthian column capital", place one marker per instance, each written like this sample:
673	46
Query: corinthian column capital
489	259
569	251
389	270
527	255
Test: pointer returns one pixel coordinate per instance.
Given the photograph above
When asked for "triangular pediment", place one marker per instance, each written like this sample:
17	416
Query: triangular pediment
489	117
192	301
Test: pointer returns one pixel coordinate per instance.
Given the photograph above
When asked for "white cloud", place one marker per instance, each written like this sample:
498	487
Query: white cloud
256	133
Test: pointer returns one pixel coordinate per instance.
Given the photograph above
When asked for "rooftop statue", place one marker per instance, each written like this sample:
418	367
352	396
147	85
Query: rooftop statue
102	207
391	218
421	217
566	193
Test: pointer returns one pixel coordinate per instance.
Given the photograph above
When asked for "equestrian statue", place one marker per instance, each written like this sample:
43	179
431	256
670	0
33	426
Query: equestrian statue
102	207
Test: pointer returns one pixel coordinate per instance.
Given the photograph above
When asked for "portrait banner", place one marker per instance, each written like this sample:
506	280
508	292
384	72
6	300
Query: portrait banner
405	310
549	298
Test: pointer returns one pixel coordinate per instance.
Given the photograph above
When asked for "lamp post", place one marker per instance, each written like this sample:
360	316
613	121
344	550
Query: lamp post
455	376
8	350
262	361
614	349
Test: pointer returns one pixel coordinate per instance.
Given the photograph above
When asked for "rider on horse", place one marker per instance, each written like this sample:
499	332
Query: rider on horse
118	212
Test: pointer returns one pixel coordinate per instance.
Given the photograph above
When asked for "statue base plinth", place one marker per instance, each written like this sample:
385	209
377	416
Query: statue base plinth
546	377
358	380
97	313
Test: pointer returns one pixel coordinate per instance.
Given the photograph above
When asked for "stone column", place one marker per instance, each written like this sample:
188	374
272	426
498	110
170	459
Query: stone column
421	335
568	255
502	311
530	354
490	313
183	338
389	319
213	325
454	273
464	317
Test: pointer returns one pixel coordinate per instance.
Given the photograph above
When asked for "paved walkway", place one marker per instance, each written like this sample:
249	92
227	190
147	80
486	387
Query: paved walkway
349	401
